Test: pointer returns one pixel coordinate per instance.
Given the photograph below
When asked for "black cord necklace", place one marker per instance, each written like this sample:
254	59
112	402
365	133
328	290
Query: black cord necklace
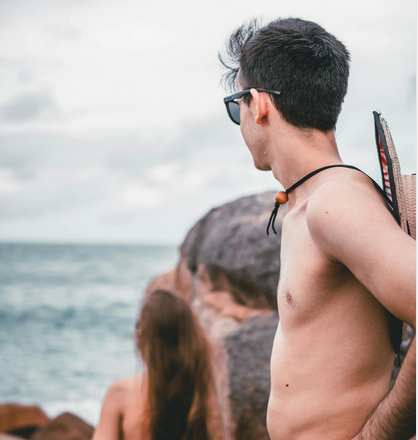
282	196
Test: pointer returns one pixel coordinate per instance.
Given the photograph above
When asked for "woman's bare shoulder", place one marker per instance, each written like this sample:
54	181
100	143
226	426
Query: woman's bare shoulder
126	385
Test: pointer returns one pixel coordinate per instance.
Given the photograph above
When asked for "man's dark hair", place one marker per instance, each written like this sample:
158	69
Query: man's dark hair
299	58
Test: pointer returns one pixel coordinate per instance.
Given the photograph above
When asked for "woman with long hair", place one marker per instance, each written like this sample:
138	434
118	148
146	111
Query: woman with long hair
174	398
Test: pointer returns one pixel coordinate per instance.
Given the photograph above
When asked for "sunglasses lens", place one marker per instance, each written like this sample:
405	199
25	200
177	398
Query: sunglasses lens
234	113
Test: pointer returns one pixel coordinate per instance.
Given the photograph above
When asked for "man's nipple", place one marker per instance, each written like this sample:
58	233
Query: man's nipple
289	298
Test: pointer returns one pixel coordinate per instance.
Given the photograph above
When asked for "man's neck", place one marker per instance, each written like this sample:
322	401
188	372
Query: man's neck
295	153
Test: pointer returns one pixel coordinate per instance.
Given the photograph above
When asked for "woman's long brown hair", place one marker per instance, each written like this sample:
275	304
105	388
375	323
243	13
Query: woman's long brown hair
179	370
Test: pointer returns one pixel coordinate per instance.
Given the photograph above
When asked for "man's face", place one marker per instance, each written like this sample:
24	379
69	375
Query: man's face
252	132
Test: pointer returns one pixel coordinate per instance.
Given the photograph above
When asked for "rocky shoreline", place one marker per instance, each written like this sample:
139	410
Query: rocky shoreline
19	422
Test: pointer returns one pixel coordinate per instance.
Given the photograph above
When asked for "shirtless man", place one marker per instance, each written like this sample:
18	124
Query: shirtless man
345	262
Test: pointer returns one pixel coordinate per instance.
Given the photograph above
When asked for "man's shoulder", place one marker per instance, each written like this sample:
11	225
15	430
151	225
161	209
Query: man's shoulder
347	204
343	193
345	182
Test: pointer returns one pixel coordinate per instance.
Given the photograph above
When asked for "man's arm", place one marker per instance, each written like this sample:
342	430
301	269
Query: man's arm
394	417
351	224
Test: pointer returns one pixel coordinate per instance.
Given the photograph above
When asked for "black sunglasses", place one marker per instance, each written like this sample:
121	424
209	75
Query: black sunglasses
232	106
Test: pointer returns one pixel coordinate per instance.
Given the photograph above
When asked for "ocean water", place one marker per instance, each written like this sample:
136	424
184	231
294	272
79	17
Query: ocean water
67	317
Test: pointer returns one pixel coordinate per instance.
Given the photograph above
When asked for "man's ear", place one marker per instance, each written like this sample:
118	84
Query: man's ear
261	105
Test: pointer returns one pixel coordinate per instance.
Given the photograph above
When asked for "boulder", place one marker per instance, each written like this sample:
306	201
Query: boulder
249	349
21	420
237	256
10	437
67	426
228	270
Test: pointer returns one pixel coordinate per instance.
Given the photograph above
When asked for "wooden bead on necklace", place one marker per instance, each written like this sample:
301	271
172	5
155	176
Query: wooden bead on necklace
282	198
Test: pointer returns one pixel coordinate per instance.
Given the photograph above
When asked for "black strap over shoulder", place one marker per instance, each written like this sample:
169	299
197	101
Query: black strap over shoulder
313	173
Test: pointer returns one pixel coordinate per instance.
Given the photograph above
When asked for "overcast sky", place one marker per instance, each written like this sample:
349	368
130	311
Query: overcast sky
112	124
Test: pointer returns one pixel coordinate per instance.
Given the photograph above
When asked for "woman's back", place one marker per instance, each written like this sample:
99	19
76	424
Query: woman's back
123	414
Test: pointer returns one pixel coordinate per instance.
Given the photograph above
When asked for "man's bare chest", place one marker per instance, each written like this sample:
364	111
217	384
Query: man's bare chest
308	280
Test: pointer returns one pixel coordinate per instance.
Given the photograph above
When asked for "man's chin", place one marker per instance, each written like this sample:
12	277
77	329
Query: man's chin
262	167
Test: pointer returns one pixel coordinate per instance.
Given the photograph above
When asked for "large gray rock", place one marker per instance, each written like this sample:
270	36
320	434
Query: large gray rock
249	349
231	242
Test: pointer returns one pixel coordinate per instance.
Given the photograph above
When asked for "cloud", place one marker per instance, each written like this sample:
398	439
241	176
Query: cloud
25	75
141	197
146	189
137	183
64	33
35	105
23	154
135	155
124	180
